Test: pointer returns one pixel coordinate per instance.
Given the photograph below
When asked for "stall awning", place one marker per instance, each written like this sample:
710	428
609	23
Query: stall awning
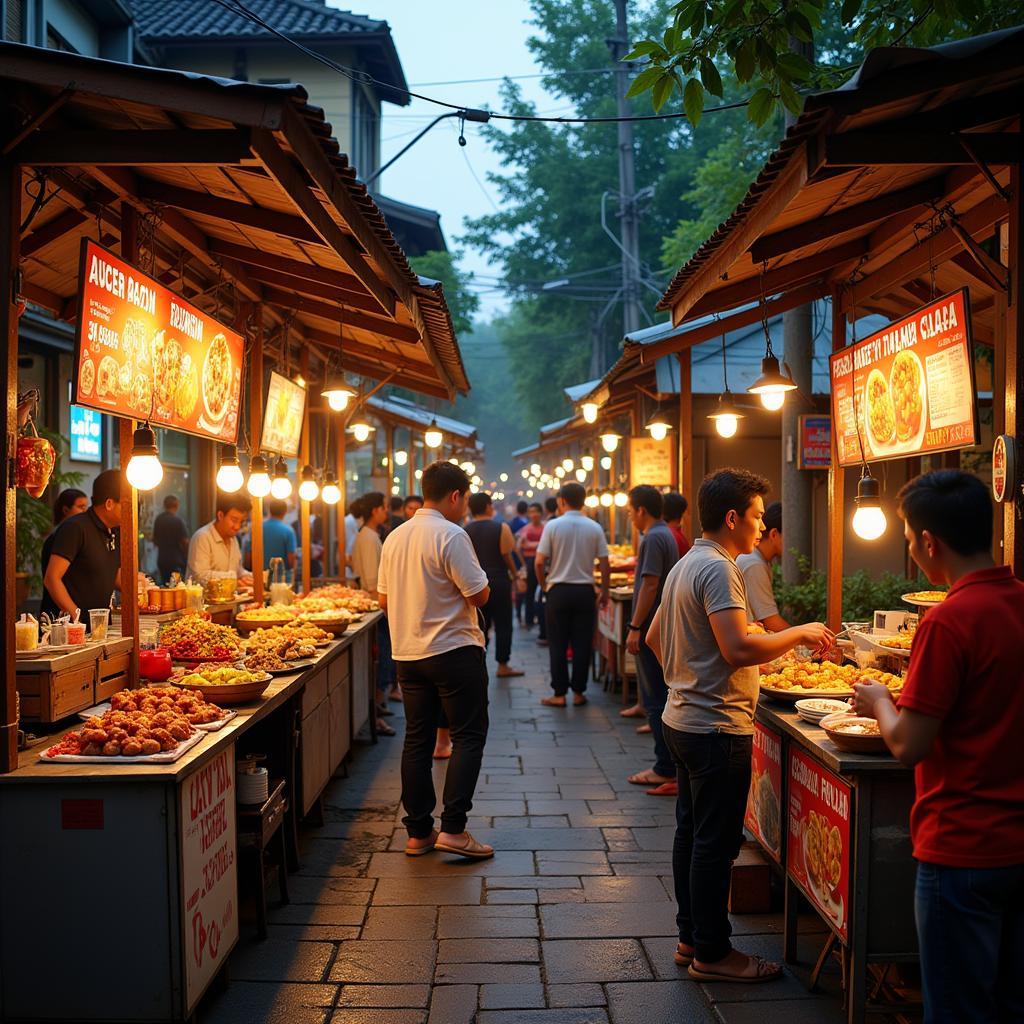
408	414
851	200
247	203
577	392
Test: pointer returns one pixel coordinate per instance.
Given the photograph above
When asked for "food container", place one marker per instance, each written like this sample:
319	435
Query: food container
26	635
220	587
58	634
99	620
153	597
180	597
75	633
835	727
155	665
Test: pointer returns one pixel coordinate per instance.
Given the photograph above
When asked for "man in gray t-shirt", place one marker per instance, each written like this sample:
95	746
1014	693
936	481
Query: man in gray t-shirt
699	634
757	572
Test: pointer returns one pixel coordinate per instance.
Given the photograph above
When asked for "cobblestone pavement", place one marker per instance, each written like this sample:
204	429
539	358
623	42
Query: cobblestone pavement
572	922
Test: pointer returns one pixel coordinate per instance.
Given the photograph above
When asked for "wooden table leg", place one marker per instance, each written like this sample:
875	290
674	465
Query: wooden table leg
790	921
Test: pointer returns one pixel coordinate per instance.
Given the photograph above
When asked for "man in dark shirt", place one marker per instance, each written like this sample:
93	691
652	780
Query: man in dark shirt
85	560
658	553
170	538
395	515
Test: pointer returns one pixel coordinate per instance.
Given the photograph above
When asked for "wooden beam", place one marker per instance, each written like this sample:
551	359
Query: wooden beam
836	497
383	328
296	268
885	149
786	276
36	120
290	178
978	222
738	240
134	147
351	300
256	433
51	231
780	243
790	300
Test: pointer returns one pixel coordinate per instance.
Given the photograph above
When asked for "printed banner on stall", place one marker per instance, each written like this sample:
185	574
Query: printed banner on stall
818	838
142	352
206	817
282	417
815	442
909	388
652	462
764	803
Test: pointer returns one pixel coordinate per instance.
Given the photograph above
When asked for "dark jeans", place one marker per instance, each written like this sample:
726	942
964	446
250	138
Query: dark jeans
456	682
970	925
652	693
530	606
713	771
571	616
385	663
498	613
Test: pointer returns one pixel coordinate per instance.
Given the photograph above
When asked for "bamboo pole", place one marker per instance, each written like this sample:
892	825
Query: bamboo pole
684	460
255	434
836	495
343	502
303	460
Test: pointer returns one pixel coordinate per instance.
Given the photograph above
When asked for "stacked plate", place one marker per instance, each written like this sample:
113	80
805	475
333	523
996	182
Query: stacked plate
814	709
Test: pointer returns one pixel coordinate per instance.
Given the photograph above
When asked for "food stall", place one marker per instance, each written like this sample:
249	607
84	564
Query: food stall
898	195
198	232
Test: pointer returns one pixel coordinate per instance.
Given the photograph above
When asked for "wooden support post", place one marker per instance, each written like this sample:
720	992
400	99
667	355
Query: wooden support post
343	503
635	426
255	434
129	498
304	531
684	456
1013	511
836	495
10	221
390	434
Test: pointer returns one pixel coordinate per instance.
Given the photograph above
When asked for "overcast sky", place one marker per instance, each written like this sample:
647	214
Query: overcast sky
444	41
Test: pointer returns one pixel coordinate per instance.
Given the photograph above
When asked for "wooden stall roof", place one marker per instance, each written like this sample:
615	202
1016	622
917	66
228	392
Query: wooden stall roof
249	209
415	417
875	184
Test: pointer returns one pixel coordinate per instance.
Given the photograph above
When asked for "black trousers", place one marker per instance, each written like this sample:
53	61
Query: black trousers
498	614
570	613
456	682
534	609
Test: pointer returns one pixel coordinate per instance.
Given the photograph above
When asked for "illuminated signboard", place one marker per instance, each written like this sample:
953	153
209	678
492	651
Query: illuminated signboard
86	435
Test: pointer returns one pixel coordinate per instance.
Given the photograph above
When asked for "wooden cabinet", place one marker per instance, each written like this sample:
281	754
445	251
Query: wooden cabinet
315	752
363	678
339	696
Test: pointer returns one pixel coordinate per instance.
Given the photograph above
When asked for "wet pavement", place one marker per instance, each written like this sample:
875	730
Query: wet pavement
572	922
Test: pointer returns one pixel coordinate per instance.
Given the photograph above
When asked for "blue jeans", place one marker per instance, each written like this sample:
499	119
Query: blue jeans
652	694
713	771
386	677
970	926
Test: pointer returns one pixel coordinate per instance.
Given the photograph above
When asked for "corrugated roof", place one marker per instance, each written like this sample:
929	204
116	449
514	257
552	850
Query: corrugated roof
576	392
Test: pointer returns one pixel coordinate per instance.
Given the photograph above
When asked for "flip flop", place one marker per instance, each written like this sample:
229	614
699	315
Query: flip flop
665	789
553	702
472	849
764	972
509	672
643	730
579	700
647	778
383	729
683	959
634	712
418	851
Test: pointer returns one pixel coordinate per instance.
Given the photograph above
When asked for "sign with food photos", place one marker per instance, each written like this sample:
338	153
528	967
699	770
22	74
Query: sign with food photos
764	803
652	462
282	416
818	838
909	388
142	352
815	450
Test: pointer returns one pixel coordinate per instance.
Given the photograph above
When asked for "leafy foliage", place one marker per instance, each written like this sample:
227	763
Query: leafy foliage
463	303
753	40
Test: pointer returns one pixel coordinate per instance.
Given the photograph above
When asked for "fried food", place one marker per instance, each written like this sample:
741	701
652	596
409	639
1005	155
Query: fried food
265	661
139	722
217	372
219	675
272	613
188	389
905	388
899	642
291	643
880	409
87	378
156	700
926	596
826	675
106	378
192	638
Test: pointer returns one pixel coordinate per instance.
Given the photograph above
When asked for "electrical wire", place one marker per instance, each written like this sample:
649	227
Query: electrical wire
365	78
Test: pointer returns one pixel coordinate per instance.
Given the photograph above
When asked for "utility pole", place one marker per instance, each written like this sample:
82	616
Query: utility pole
630	231
797	484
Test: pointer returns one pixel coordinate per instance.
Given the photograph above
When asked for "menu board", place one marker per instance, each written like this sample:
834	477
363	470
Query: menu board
282	416
652	462
143	352
815	442
209	875
909	388
764	803
86	435
818	838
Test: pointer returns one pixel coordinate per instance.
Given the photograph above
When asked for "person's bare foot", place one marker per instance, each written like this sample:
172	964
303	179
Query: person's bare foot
442	753
553	702
636	711
736	966
643	730
648	777
464	845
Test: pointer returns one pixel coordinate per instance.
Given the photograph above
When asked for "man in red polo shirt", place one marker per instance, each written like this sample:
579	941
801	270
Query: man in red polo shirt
960	723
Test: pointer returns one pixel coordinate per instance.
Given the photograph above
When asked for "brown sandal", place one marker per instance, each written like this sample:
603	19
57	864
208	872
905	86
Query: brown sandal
764	970
553	702
471	849
418	851
681	958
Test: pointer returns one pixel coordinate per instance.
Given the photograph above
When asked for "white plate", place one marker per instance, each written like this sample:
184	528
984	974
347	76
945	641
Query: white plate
814	717
799	693
877	645
911	599
164	757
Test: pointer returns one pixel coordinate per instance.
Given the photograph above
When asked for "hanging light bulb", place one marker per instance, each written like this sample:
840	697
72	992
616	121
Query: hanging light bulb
229	475
281	485
469	468
331	492
535	469
529	493
259	479
726	416
144	471
772	385
587	462
609	442
361	430
567	464
869	520
606	462
621	499
454	461
503	477
337	393
524	473
773	401
658	426
401	457
589	410
309	490
606	499
559	472
592	500
432	436
418	474
532	481
581	475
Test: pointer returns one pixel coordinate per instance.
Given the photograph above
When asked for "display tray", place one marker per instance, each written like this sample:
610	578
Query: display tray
164	757
251	625
877	645
293	667
228	693
801	693
102	709
921	602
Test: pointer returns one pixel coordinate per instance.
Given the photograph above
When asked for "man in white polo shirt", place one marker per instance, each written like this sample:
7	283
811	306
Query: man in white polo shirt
564	566
431	585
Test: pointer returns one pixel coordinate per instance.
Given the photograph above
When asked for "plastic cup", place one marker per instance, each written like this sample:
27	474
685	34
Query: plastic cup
76	633
99	620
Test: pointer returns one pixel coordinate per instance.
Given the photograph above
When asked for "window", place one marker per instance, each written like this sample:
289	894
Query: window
365	133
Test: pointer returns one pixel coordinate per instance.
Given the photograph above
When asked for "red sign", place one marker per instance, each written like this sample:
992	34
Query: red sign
764	803
144	353
818	838
815	442
909	388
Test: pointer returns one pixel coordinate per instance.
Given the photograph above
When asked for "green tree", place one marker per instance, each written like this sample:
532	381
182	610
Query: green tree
463	302
752	40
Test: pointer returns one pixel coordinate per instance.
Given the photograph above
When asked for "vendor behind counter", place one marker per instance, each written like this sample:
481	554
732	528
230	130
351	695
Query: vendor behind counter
757	572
